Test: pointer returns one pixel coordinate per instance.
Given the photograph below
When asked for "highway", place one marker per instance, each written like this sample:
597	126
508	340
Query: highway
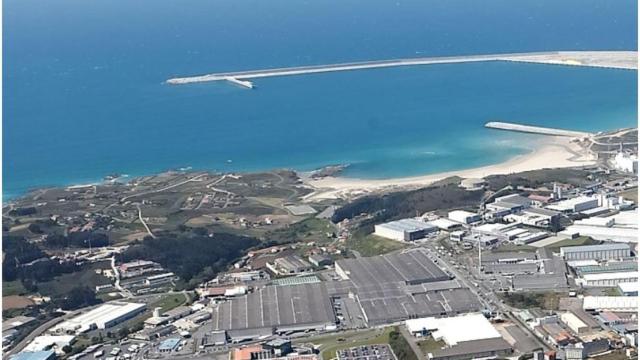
608	59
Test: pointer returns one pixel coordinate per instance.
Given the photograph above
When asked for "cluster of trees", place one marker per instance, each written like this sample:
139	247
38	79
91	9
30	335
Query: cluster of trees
404	204
26	262
82	239
536	178
76	298
401	347
23	211
192	255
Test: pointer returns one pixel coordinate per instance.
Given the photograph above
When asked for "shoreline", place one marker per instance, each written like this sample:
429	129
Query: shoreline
550	152
547	152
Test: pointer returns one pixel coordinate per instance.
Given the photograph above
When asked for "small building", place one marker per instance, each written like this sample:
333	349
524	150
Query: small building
457	236
278	347
169	345
320	260
574	323
473	184
628	288
483	239
464	217
404	230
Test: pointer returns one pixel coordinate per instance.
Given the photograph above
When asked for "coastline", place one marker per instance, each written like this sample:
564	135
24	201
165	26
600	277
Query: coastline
549	152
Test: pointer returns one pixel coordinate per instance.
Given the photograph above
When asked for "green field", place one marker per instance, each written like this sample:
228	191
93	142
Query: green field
430	345
581	240
62	284
13	288
169	302
310	229
631	194
371	245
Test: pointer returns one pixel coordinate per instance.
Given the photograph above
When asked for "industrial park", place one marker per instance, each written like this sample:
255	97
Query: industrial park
544	269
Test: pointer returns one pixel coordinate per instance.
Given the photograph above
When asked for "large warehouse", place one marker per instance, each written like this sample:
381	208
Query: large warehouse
283	308
596	252
453	330
404	230
608	279
409	267
611	303
371	291
102	317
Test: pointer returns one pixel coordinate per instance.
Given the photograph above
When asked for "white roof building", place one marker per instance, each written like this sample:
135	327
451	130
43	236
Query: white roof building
628	287
611	303
54	342
102	317
453	330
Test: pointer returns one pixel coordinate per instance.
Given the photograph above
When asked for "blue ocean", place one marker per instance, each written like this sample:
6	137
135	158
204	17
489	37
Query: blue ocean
84	93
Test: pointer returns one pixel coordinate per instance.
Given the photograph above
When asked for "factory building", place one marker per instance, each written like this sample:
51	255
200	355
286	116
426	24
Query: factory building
319	260
596	252
290	265
453	330
404	230
159	279
513	203
103	317
626	162
577	204
34	355
466	336
464	217
607	279
574	323
610	303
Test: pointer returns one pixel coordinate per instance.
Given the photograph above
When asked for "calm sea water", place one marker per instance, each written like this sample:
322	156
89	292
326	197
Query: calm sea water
84	95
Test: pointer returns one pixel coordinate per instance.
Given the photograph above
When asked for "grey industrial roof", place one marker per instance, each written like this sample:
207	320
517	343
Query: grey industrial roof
511	268
293	262
275	306
609	267
495	256
396	307
539	282
514	199
612	246
410	267
407	225
540	211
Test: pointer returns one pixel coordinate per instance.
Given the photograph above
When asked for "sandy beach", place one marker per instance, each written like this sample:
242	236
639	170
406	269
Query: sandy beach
550	152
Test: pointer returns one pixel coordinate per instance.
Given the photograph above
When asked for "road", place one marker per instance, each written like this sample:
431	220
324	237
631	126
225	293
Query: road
144	223
486	295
